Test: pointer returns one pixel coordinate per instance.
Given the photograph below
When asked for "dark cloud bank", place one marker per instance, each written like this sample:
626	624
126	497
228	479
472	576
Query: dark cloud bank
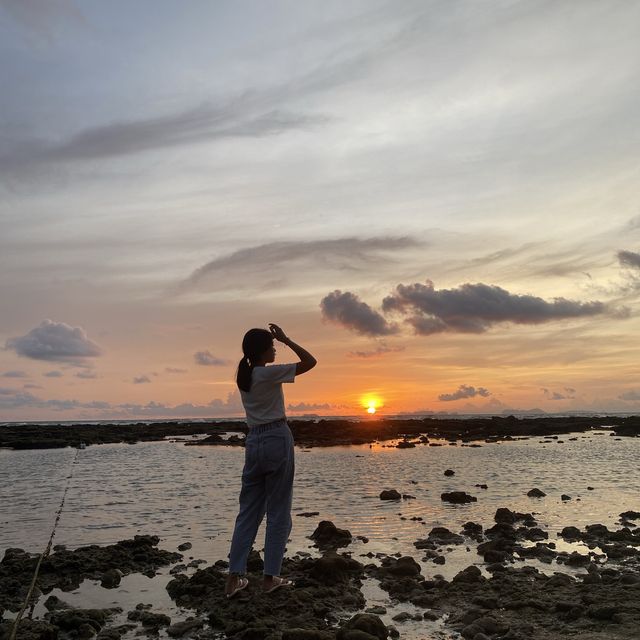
470	308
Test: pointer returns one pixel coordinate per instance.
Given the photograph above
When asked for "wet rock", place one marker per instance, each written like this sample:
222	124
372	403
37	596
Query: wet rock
390	494
469	575
110	579
327	534
333	566
29	630
306	634
449	472
148	618
66	569
367	623
378	610
565	497
442	535
80	621
536	493
178	629
482	486
472	528
185	546
53	602
571	533
457	497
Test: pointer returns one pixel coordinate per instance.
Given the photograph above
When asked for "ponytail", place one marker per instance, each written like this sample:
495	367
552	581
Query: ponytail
243	377
254	344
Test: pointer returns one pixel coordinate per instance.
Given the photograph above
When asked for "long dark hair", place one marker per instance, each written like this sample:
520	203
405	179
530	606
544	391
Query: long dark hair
254	344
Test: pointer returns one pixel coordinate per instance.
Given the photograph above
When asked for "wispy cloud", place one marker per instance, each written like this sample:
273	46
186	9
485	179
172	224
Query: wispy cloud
338	255
207	359
380	350
310	406
632	395
143	379
14	374
567	394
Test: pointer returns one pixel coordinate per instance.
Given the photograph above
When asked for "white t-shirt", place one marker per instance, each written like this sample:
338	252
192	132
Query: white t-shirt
265	402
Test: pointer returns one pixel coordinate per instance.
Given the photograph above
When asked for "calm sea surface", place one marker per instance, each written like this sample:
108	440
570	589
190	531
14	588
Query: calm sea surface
183	493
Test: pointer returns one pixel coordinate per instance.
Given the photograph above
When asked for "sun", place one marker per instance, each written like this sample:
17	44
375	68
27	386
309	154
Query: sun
371	403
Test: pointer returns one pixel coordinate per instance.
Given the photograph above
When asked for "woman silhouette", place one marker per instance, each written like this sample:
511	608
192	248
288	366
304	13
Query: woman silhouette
267	477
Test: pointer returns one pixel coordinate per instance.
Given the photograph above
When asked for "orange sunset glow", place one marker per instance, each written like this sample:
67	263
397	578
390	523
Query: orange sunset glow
452	231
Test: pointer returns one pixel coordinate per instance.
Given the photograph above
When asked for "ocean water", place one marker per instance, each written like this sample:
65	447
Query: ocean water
190	494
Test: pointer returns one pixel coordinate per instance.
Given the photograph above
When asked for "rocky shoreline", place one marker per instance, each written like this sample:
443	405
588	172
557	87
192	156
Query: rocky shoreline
318	433
592	593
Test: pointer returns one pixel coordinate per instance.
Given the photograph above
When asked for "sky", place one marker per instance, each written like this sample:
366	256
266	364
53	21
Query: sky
438	199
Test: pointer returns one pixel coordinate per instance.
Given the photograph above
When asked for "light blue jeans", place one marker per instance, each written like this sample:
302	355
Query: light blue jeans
267	487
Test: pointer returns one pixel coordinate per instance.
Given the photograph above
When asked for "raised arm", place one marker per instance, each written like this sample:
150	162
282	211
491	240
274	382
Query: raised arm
307	361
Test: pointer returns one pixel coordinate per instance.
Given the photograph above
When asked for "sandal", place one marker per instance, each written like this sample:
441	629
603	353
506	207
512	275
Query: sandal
241	585
281	582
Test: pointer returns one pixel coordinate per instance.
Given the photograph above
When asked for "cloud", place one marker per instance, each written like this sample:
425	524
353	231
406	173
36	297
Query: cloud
54	341
464	391
474	308
632	396
207	359
40	17
339	254
14	374
24	399
53	374
175	370
31	386
86	375
309	406
347	310
381	349
629	259
11	399
568	394
195	125
141	379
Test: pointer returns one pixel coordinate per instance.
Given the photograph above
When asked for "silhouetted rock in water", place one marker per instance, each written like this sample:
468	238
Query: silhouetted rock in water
328	535
565	497
457	497
308	514
65	569
442	535
482	486
311	433
536	493
390	494
630	515
405	444
472	529
449	472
